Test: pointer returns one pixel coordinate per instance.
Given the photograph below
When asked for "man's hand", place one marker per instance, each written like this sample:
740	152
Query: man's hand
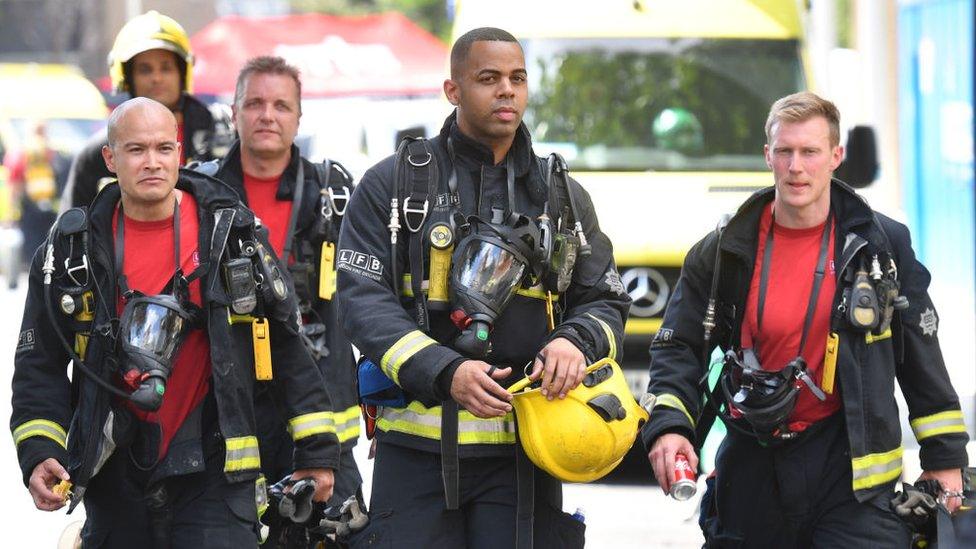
474	387
324	479
951	481
45	476
662	454
563	368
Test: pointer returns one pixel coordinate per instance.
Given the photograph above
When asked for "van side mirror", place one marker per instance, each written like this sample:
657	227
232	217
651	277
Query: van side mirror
860	165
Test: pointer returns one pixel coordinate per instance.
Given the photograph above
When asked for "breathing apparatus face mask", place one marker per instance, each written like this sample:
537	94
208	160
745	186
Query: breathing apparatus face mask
152	331
152	328
490	262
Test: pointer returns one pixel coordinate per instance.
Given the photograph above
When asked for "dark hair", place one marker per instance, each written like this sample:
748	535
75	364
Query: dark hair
266	64
462	46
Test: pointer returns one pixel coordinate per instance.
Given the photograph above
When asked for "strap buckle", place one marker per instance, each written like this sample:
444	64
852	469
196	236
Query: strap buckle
72	270
408	211
339	197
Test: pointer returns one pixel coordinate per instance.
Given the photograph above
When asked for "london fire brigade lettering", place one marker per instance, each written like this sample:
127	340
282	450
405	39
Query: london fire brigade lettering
359	263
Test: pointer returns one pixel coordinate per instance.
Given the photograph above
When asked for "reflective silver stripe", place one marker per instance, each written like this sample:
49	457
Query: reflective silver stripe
347	423
307	425
672	401
401	351
876	469
418	420
611	340
242	454
938	424
40	428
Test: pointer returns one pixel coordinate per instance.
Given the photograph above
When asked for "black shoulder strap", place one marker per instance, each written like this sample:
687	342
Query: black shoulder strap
296	205
707	416
565	210
417	182
73	226
336	187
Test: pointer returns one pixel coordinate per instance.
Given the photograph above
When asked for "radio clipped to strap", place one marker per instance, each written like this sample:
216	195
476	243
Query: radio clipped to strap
261	335
327	274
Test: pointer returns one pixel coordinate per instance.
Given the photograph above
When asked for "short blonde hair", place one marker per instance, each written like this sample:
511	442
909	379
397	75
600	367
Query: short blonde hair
800	107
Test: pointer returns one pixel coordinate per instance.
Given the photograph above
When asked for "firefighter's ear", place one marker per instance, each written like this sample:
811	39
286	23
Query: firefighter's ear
108	154
452	91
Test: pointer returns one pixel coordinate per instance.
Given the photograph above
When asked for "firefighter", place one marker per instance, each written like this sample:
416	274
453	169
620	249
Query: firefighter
153	297
819	305
151	58
303	220
435	288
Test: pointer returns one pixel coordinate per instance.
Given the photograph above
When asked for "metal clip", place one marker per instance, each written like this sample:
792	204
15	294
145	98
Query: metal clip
407	211
394	225
71	270
342	197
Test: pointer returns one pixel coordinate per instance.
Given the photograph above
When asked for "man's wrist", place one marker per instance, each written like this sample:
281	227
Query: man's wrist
577	337
446	378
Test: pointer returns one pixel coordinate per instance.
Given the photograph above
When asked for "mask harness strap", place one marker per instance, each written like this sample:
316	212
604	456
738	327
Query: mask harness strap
296	206
818	276
524	469
120	253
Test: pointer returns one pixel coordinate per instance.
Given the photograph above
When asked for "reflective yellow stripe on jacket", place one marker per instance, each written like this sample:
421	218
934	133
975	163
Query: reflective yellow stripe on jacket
876	469
347	423
418	420
938	424
306	425
671	401
242	454
40	428
401	351
611	341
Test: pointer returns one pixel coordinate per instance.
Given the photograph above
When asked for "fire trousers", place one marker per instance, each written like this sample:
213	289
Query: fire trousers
794	494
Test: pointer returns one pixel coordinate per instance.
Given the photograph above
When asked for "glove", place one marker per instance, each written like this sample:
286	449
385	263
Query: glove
914	507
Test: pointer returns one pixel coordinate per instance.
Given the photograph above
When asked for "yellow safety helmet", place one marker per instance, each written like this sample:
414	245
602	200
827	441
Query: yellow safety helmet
149	31
584	436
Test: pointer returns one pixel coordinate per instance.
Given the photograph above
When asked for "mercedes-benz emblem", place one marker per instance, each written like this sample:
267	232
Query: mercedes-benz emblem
647	288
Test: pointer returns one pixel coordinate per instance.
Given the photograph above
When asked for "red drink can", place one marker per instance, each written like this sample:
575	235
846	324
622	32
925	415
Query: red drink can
684	485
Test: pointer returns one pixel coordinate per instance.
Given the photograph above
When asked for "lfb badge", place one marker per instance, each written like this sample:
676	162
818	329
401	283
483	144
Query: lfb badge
441	236
928	322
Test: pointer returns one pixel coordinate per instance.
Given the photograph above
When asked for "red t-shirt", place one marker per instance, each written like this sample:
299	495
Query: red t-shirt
274	213
794	259
148	267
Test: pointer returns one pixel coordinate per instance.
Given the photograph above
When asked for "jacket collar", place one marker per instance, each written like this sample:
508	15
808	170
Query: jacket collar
209	193
232	171
467	150
851	212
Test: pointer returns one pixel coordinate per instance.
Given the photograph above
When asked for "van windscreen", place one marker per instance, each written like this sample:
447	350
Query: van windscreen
657	104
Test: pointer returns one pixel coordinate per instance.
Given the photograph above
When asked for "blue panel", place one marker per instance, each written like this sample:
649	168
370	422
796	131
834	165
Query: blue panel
936	114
